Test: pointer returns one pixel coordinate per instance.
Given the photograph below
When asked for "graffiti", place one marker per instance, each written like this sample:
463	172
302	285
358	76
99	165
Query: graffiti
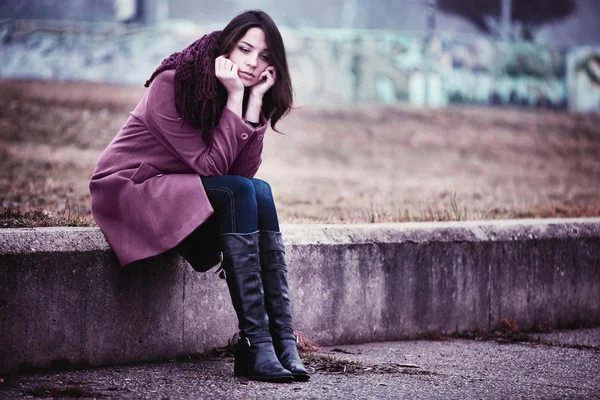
584	79
591	66
358	69
336	67
515	74
383	68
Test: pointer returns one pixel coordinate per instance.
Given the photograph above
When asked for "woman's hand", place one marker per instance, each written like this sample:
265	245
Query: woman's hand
227	73
266	80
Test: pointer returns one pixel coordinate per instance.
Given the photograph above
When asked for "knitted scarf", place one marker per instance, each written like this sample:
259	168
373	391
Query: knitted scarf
196	97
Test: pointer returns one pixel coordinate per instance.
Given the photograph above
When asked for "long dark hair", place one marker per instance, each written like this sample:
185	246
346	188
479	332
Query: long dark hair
200	98
277	102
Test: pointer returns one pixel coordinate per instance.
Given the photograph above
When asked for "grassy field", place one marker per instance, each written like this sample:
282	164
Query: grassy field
373	164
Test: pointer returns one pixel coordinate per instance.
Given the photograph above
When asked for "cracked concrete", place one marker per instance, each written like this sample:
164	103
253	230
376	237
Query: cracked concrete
448	369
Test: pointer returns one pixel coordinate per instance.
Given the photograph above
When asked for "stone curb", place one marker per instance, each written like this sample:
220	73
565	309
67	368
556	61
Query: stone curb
65	301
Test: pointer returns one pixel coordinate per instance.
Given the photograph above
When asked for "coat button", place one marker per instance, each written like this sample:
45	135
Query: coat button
259	137
244	136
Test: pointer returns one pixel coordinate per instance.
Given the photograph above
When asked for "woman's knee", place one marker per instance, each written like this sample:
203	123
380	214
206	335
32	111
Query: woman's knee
262	190
240	185
237	186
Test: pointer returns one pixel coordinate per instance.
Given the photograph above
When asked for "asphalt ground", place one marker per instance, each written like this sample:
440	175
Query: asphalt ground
559	365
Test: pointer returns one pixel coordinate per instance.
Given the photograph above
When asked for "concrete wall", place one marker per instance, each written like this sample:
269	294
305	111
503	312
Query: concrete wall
388	63
73	10
388	67
64	300
579	28
143	11
331	67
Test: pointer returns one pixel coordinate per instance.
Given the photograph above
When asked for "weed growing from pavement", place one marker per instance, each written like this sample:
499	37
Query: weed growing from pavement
70	391
316	360
508	331
325	363
321	362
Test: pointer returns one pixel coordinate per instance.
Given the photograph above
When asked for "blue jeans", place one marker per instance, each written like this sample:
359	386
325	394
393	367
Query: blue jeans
242	205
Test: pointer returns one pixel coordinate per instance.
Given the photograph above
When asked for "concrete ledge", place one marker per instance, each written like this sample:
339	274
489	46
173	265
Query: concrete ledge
64	300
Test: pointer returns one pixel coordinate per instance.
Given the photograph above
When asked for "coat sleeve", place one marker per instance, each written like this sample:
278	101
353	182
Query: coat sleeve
230	136
250	158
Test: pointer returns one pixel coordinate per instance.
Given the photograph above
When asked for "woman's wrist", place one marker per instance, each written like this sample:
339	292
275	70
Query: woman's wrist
255	97
234	103
253	109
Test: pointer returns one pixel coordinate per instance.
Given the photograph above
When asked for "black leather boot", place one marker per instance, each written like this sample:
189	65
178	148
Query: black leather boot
255	356
277	298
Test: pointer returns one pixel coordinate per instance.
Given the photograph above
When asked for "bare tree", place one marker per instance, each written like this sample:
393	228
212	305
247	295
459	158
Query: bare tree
526	15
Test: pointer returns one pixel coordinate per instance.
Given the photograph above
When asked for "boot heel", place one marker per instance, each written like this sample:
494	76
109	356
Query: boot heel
242	358
240	365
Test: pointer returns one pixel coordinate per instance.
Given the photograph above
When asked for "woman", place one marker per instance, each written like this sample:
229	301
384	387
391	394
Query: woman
179	175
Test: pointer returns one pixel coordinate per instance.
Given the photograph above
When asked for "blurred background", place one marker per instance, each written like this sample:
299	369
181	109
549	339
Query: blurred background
406	110
541	53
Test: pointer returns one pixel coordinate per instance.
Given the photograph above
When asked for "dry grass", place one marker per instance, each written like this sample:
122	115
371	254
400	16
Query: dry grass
374	164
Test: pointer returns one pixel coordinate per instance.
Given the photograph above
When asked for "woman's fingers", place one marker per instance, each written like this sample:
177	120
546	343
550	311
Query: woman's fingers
262	76
223	64
218	63
270	74
266	80
227	73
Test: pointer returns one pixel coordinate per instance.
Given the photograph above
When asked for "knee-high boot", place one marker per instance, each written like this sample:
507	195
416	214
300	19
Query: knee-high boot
255	356
277	299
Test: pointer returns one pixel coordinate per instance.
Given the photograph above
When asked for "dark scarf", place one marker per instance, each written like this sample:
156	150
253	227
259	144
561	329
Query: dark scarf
196	85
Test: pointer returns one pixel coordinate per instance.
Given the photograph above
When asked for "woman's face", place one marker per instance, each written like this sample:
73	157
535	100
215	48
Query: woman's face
251	56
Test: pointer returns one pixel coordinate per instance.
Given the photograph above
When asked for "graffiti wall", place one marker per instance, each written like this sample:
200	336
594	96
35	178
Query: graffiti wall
382	67
329	67
516	74
334	67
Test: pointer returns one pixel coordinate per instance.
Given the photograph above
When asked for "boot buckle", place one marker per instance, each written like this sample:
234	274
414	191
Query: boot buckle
242	343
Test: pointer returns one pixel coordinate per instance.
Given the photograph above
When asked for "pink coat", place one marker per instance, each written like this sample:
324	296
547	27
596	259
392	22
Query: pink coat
146	191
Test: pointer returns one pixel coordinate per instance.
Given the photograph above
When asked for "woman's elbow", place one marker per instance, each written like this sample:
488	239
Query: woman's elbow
251	171
211	166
